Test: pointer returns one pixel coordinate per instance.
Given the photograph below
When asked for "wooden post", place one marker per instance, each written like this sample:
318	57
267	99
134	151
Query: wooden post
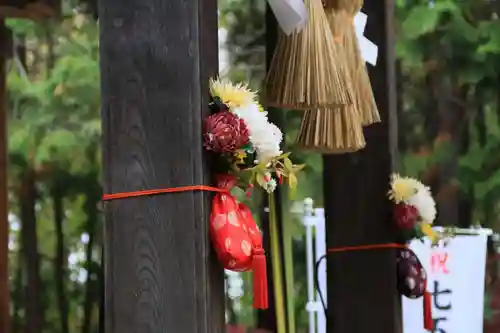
4	210
362	294
156	59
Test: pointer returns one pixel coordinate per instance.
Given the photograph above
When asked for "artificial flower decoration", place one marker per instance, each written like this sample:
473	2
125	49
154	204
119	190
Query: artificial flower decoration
232	95
240	133
415	209
246	146
225	132
414	214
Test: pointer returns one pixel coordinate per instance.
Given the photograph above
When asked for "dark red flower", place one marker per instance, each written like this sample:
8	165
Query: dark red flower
406	216
225	132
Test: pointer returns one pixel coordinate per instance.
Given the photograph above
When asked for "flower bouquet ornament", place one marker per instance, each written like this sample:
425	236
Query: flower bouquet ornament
414	214
414	208
246	146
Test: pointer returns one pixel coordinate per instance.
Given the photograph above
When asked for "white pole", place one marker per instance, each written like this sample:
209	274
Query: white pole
308	223
320	240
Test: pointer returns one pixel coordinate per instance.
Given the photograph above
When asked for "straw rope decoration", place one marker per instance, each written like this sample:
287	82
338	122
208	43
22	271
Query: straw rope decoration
330	131
302	74
335	130
341	15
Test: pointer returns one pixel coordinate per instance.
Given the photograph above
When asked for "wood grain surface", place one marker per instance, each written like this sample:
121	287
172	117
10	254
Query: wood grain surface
362	294
156	59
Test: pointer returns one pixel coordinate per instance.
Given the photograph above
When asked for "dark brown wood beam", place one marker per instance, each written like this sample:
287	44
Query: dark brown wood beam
362	294
161	274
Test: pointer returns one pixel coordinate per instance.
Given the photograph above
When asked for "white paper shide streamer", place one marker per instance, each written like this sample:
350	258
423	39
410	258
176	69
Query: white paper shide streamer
369	51
290	14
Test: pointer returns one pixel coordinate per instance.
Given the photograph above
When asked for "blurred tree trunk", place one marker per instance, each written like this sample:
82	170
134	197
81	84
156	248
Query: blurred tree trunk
17	292
17	297
430	176
91	8
34	318
101	292
402	134
453	205
60	258
498	101
91	287
5	38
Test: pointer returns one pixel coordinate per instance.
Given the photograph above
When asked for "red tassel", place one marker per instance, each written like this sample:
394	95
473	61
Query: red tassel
428	322
259	269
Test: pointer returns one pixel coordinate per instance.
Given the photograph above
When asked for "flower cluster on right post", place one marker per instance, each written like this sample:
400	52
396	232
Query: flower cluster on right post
414	209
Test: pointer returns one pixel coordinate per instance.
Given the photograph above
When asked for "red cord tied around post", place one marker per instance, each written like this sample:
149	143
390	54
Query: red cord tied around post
234	233
409	268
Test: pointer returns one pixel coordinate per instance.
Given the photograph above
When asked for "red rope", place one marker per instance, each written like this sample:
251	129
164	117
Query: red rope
428	322
368	247
123	195
259	259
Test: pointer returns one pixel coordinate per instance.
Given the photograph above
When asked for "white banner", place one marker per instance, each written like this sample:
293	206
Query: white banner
456	280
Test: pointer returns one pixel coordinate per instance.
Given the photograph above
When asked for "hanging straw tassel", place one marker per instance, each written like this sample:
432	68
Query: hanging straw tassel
331	131
304	72
340	14
340	130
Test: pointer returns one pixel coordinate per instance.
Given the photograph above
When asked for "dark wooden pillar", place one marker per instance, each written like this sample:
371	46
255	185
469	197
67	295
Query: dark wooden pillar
362	295
156	58
4	210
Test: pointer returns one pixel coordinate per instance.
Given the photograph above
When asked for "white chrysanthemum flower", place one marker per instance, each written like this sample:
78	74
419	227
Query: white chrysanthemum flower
264	136
267	143
270	186
424	203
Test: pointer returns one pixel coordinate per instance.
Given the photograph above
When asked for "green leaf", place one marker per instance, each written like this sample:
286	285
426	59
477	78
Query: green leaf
288	164
298	167
409	50
283	156
421	20
292	181
472	75
261	168
248	148
261	179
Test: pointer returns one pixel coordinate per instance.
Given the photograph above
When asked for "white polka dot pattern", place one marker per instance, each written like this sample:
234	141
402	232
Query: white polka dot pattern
234	232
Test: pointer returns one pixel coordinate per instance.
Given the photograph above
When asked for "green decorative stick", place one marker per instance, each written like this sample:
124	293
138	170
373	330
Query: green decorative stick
277	265
289	281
